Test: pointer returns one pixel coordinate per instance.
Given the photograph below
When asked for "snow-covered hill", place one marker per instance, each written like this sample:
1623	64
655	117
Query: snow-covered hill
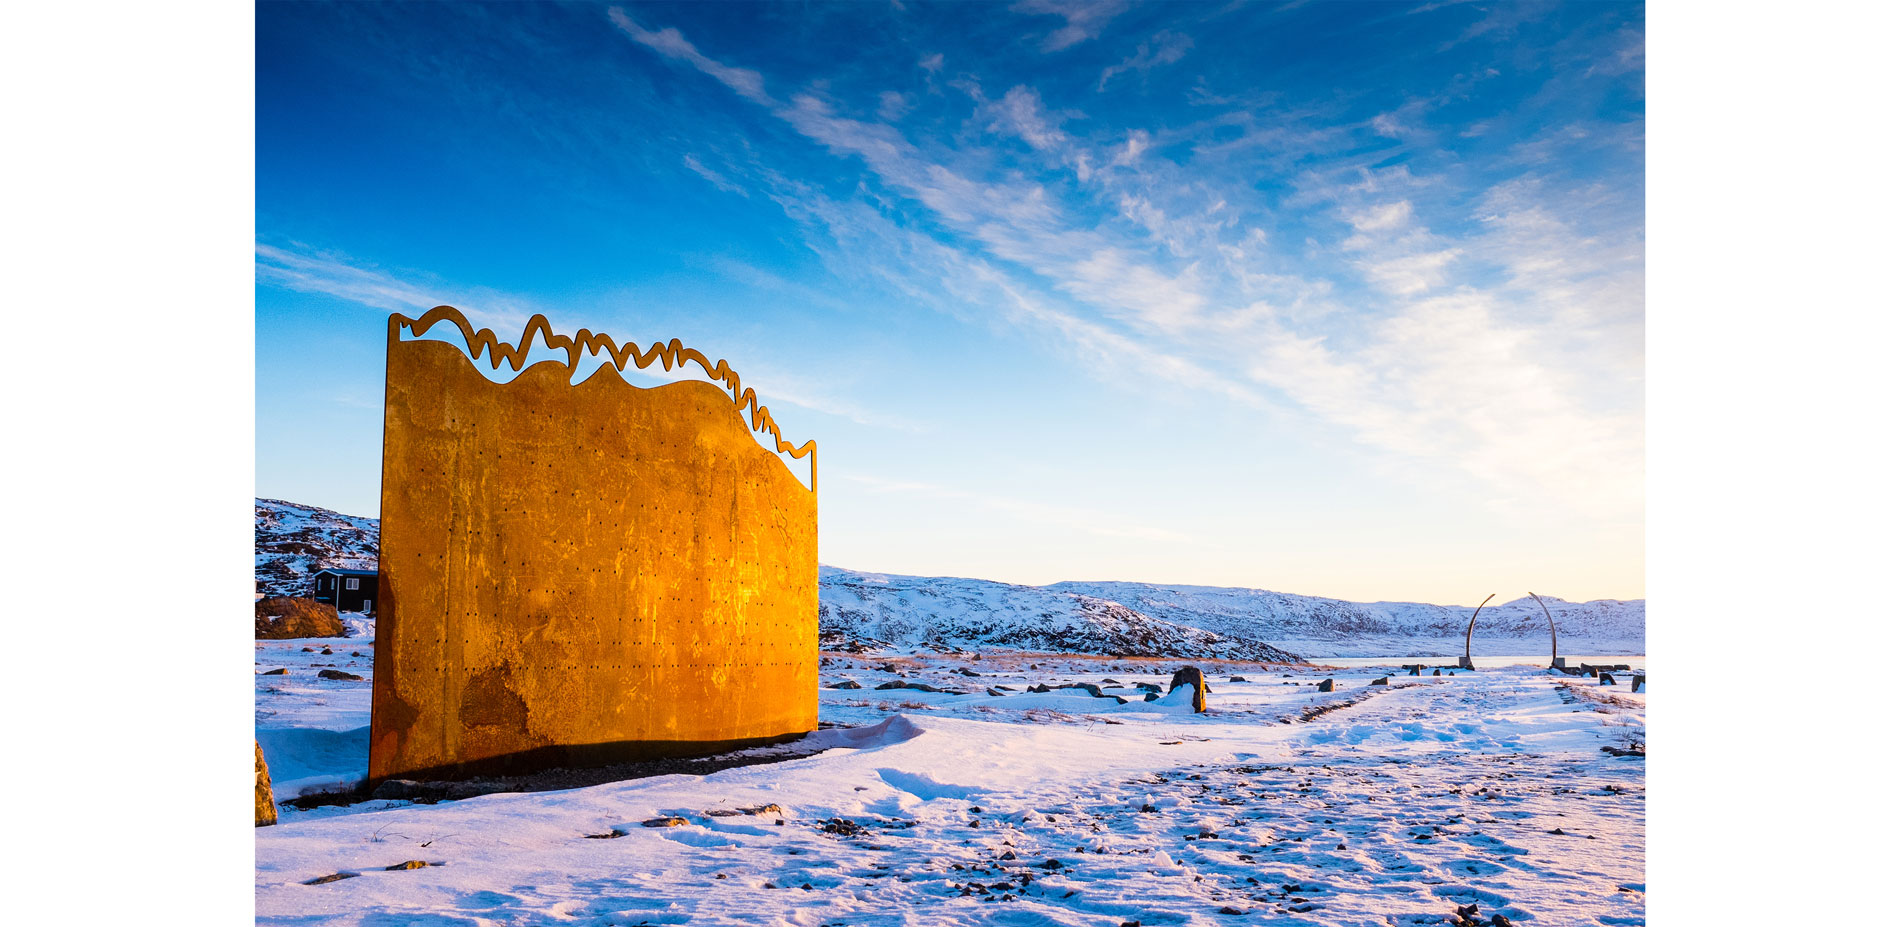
1332	627
911	613
294	541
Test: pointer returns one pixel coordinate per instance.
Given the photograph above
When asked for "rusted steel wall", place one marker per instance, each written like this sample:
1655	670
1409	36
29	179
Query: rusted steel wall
582	574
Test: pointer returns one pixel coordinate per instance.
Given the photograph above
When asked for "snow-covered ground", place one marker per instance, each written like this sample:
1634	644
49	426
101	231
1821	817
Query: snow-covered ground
1368	805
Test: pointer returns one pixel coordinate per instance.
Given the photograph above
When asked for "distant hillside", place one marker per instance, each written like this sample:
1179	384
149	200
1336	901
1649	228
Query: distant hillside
1320	623
910	612
885	612
294	541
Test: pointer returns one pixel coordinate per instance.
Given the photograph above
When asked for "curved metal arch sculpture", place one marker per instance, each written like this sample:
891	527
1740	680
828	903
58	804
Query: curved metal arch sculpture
1555	661
1464	662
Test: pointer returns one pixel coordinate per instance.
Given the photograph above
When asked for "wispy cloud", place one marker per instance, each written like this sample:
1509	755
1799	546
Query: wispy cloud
330	273
1167	47
1083	19
713	177
669	42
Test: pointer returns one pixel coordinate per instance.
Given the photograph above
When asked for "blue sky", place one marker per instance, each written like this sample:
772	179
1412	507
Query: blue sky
1336	299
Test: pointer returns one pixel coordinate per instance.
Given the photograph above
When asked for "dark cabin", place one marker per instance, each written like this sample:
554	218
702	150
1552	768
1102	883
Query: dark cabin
348	590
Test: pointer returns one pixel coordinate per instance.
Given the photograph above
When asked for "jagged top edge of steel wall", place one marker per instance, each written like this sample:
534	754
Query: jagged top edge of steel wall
669	355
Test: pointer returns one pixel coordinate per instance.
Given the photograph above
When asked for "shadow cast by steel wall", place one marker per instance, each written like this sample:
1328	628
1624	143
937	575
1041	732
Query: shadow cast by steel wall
582	574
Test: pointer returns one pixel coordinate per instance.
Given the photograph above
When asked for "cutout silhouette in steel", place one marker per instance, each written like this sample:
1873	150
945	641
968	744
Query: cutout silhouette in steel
1464	662
581	574
1556	662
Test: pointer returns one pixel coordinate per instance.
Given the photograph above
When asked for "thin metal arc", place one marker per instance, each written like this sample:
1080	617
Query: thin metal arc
1473	624
1553	628
669	354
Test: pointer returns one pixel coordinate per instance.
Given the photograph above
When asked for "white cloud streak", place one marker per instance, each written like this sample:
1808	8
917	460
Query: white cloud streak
1496	382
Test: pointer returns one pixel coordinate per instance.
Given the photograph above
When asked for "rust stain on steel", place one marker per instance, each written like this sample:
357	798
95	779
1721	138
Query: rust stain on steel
583	574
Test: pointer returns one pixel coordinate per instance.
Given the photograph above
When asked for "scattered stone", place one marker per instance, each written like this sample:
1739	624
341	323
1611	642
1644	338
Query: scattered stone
327	652
847	684
966	671
1412	669
412	864
671	821
992	690
1606	680
355	654
280	671
1230	909
1236	679
337	674
266	805
1191	676
1150	809
1326	686
1008	854
333	877
1499	920
1437	673
1381	681
611	835
1636	683
843	827
1148	687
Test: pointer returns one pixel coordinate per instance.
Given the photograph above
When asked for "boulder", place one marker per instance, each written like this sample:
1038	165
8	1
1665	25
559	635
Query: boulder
847	684
266	806
280	671
286	617
1437	673
1190	676
1606	679
1326	686
1381	681
337	674
1636	683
